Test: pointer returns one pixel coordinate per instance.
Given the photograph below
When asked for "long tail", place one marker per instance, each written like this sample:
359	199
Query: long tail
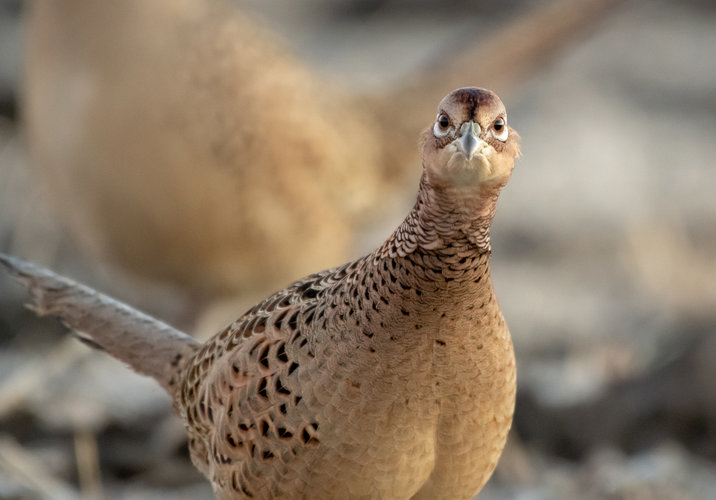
149	346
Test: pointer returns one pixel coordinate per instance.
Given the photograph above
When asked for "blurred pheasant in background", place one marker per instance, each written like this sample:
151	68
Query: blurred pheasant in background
392	376
185	144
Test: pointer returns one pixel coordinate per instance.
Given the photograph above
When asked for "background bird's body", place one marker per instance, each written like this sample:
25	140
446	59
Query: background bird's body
411	376
188	127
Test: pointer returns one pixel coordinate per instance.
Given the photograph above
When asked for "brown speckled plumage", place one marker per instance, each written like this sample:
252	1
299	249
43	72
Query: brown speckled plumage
389	377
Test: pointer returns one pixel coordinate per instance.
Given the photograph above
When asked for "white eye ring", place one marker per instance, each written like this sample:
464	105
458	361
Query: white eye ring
502	134
438	131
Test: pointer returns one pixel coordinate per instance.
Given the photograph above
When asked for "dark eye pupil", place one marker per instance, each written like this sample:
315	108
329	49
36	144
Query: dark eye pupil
499	124
443	121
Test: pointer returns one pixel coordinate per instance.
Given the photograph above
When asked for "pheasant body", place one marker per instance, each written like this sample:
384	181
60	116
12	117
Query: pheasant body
389	377
370	379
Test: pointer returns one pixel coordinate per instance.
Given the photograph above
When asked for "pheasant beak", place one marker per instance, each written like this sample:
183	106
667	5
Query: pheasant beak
469	142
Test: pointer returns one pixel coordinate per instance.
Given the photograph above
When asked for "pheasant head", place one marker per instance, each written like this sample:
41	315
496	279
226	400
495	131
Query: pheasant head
470	149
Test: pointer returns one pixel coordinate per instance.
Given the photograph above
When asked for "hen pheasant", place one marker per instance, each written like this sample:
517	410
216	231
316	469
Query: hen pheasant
392	376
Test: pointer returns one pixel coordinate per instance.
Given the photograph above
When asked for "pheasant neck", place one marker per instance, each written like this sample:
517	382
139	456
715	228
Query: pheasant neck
440	253
445	219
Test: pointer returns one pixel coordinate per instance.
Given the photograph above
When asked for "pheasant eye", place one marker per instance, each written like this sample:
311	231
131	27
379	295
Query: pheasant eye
499	129
443	121
442	125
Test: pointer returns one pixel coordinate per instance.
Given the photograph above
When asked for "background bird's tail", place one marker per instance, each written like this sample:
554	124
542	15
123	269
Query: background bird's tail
149	346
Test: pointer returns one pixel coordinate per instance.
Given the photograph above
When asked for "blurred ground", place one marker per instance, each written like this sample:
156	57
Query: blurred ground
603	262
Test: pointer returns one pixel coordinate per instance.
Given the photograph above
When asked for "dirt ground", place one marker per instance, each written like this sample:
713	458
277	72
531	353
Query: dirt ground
603	260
